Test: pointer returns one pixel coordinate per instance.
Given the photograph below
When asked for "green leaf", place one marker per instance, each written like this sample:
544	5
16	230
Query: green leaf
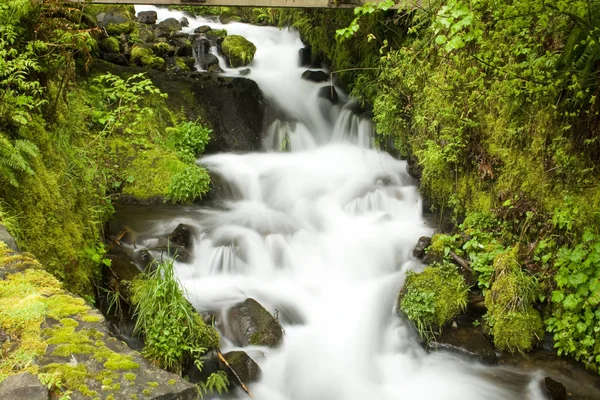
557	296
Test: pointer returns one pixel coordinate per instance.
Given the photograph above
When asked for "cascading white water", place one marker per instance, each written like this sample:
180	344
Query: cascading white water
323	234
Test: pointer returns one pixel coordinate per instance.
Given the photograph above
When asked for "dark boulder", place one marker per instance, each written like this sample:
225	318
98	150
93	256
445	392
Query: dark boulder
23	386
553	390
181	242
248	323
329	93
305	56
147	17
245	367
183	47
245	71
206	61
468	341
315	76
8	239
202	45
166	27
146	34
422	244
184	22
215	69
203	29
115	58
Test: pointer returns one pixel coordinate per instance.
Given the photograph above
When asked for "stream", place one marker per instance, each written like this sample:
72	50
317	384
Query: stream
322	236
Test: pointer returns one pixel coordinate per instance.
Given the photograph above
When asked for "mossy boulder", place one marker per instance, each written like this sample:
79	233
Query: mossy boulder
245	367
515	325
163	49
238	50
145	57
249	323
166	27
433	298
118	29
60	335
110	45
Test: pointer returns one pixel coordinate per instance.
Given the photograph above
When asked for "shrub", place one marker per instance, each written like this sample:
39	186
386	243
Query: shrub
188	185
172	329
188	140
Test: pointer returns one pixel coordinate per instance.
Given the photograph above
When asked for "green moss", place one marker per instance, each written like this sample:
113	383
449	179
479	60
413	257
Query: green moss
64	305
514	323
133	397
110	397
146	392
162	49
69	323
119	362
107	382
152	384
110	45
171	382
433	298
129	376
181	64
90	318
218	33
152	172
238	50
144	57
117	29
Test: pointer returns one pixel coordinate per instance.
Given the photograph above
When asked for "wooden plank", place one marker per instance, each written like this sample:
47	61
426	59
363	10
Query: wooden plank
240	3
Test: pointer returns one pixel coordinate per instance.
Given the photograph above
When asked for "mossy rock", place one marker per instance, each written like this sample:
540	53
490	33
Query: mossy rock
511	318
163	49
145	57
249	323
433	298
238	50
58	334
118	29
110	45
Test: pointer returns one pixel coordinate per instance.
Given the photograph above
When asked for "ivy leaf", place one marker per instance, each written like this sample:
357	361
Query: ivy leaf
571	302
577	279
441	39
455	43
557	296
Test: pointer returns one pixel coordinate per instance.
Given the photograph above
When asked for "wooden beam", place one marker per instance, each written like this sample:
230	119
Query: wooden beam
241	3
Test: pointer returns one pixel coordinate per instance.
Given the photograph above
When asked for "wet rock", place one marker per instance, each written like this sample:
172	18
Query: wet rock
202	45
207	60
238	50
215	69
8	239
553	390
203	29
181	242
116	17
167	26
183	47
245	367
146	34
115	58
328	93
245	71
422	244
184	22
248	323
23	386
315	76
305	56
147	17
466	341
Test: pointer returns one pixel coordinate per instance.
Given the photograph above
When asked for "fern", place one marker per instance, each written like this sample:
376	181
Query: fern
14	158
216	382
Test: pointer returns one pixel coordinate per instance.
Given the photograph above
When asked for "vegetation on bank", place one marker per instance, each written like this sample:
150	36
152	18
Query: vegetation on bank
73	138
496	105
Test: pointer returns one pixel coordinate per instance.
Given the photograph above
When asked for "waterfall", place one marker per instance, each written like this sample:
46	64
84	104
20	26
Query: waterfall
323	232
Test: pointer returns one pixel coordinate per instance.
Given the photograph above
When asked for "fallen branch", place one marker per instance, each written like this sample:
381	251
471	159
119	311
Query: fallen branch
461	261
224	361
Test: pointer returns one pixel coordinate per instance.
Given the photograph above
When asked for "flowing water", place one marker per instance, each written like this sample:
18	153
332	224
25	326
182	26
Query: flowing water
321	234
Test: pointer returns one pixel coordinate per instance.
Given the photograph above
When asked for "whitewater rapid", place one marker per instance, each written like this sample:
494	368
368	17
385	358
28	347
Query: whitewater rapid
321	235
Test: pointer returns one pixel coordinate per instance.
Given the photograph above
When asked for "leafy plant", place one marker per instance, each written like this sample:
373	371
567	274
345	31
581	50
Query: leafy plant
365	9
122	100
575	320
189	140
188	185
172	329
216	382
